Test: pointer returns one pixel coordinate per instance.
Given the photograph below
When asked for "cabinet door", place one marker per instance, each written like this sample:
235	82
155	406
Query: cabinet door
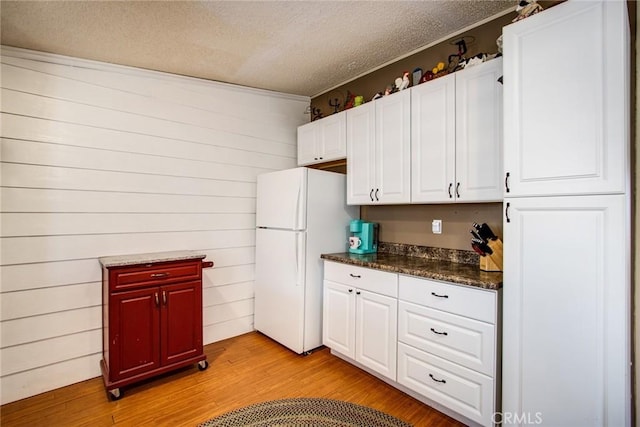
338	320
566	310
308	140
376	332
181	321
361	154
333	137
567	119
134	333
479	170
393	148
433	141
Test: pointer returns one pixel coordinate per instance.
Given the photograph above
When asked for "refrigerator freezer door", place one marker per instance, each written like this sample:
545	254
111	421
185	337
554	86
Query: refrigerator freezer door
280	287
281	201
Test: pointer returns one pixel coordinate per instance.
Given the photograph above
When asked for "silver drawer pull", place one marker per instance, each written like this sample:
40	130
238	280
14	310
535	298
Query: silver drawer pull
439	296
439	333
437	380
159	275
355	276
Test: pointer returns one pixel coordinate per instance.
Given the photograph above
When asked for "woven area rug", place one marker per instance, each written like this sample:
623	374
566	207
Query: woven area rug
305	412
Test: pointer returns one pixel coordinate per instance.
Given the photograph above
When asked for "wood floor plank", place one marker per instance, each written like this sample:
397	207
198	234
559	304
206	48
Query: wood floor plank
243	370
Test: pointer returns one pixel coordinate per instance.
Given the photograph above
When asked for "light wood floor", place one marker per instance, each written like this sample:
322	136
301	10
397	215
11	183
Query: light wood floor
242	370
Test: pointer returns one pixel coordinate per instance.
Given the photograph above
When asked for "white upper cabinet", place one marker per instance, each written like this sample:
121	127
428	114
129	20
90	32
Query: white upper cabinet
361	155
322	140
456	137
479	131
433	140
393	148
379	151
566	98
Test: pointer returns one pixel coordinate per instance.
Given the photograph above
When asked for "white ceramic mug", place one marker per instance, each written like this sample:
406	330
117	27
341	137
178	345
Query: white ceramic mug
354	242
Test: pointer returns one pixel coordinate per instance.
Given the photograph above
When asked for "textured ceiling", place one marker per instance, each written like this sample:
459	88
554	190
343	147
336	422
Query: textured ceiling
298	47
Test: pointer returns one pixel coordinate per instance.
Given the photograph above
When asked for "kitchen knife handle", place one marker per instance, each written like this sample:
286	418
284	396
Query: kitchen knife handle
450	186
458	190
506	212
506	182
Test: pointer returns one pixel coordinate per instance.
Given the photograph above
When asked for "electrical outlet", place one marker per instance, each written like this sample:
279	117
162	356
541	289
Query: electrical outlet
436	226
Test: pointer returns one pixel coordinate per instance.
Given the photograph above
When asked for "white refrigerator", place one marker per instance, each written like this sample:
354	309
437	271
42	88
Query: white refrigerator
300	214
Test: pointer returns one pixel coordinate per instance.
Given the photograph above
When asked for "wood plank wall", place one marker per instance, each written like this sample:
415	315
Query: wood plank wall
97	160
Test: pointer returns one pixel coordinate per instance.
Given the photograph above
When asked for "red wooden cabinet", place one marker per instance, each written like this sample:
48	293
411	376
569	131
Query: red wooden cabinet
152	319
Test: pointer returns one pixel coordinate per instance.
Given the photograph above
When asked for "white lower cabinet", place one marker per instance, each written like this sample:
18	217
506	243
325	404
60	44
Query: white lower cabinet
456	338
460	389
360	312
437	341
447	349
567	301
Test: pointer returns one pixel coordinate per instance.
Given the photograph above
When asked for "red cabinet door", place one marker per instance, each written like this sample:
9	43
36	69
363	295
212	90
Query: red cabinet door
181	322
134	335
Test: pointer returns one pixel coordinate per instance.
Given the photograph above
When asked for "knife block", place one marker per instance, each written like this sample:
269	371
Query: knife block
492	262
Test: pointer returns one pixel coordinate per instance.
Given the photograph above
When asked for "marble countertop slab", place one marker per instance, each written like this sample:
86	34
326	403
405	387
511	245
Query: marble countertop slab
146	258
429	268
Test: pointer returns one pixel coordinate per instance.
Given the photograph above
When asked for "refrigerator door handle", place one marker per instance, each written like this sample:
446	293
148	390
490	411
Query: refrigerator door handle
296	225
299	258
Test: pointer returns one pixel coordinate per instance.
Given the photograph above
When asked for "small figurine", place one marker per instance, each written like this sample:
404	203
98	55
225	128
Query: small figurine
389	90
351	99
417	76
428	75
527	8
335	104
403	83
438	71
316	113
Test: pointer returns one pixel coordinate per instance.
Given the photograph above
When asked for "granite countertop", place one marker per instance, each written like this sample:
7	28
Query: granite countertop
416	262
132	259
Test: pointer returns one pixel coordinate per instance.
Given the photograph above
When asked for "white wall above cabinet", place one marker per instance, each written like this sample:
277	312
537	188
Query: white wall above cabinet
322	140
379	151
456	137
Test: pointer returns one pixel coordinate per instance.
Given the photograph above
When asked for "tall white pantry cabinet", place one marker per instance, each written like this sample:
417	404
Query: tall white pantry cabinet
566	295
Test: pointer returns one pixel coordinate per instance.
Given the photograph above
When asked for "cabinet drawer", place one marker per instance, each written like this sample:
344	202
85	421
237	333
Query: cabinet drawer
463	300
122	278
465	391
381	282
459	339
